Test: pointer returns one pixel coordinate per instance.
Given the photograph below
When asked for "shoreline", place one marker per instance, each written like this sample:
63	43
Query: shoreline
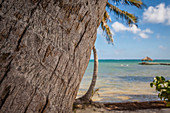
124	107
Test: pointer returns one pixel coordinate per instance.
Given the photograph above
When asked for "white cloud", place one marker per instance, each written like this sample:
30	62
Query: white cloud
158	36
147	31
162	47
157	14
142	33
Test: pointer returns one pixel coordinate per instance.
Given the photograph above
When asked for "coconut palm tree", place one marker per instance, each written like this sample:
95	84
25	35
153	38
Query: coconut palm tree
88	95
130	18
44	51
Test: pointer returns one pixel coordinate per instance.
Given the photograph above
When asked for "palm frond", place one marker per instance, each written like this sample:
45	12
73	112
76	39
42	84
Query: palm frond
107	16
106	28
137	3
130	18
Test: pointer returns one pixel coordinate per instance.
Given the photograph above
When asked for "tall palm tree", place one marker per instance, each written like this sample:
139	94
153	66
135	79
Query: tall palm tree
130	18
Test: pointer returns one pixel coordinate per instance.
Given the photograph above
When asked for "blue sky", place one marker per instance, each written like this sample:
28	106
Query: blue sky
151	38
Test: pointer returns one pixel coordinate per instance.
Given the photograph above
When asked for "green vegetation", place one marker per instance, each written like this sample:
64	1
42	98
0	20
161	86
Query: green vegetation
96	91
130	18
163	86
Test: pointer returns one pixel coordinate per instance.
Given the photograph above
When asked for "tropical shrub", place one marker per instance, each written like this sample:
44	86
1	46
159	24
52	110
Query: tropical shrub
163	87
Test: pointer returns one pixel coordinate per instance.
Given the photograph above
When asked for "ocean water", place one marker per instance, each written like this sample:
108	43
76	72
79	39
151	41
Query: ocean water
124	80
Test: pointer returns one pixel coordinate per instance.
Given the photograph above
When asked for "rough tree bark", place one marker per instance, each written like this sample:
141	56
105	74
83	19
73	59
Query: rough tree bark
45	47
86	98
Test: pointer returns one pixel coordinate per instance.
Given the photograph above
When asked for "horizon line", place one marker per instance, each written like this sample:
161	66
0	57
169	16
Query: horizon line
129	59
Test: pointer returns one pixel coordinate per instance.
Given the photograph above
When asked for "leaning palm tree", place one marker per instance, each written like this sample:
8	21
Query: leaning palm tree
88	95
130	18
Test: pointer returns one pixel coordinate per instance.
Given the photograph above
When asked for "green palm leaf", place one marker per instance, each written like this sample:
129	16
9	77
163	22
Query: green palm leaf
130	18
106	28
122	14
137	3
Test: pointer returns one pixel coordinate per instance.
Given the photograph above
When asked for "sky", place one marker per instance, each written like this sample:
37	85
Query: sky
151	37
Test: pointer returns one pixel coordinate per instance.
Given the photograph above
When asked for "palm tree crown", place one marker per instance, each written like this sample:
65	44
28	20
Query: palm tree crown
130	18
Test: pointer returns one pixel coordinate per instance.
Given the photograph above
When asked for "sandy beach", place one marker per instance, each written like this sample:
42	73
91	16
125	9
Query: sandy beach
101	110
124	88
129	107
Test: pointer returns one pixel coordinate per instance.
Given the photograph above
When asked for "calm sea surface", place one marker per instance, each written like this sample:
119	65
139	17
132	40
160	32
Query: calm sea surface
124	80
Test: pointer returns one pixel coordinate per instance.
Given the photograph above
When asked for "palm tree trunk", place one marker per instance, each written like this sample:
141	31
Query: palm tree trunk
87	97
45	47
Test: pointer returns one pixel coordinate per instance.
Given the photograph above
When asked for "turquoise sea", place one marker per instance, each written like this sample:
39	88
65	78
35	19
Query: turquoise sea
124	80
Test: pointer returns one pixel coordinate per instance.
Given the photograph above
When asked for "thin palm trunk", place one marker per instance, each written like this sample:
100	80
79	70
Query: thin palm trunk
87	97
